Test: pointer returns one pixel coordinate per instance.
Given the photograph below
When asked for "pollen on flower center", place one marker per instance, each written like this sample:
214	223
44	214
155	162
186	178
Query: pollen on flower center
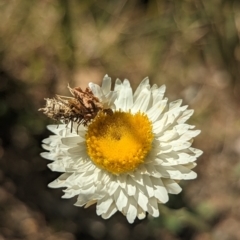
119	142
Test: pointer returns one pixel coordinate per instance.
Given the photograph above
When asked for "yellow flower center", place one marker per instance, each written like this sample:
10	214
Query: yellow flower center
119	142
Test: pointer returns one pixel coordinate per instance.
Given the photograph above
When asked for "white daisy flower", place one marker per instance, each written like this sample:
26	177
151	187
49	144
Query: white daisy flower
123	151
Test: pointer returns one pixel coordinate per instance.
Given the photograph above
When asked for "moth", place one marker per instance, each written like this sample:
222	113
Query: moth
82	108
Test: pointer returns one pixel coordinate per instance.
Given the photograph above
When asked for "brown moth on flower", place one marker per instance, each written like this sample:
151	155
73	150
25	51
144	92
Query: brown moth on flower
82	108
125	151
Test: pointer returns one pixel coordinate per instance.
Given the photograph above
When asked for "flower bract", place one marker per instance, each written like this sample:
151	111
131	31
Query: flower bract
129	156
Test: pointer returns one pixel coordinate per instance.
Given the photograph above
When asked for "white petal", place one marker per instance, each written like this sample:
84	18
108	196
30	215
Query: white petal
58	166
160	191
120	199
174	158
47	155
144	84
131	213
59	182
197	152
112	187
182	128
153	207
47	141
168	135
179	145
140	213
175	104
82	200
104	204
46	147
111	210
122	180
96	89
138	178
149	185
56	128
186	172
85	198
110	99
153	171
90	203
154	87
130	210
158	94
142	169
171	186
118	85
189	135
71	141
71	192
185	116
67	132
125	97
77	150
106	84
159	125
131	187
154	112
142	101
176	172
142	200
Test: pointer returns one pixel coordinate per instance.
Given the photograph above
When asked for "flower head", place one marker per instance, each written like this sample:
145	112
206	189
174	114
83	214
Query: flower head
125	152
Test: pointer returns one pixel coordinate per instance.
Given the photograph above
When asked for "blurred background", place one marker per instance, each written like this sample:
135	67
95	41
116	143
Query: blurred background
192	46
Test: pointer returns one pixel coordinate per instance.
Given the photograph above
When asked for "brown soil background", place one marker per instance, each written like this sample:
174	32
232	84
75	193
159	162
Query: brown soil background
191	46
